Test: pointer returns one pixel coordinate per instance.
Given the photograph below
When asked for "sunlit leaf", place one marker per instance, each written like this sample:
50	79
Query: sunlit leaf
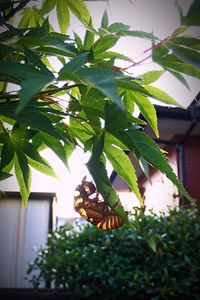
129	84
80	128
124	168
31	18
128	102
47	6
36	160
23	174
117	27
63	15
56	146
147	109
104	43
80	10
138	33
110	54
162	96
89	38
151	76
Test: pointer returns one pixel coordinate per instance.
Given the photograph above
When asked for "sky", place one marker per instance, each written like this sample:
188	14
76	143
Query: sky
157	16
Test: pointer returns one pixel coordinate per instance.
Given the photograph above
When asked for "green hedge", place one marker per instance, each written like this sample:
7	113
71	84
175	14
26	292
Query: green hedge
161	260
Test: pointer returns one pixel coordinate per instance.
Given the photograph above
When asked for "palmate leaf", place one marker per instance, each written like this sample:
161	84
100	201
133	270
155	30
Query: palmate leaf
89	38
63	15
129	84
33	80
186	41
29	89
78	41
39	31
148	149
111	139
147	109
124	168
31	116
47	6
138	33
103	80
35	159
151	76
31	18
117	27
98	171
21	71
56	146
171	62
7	152
189	56
180	77
23	174
81	129
104	20
110	54
117	119
73	66
104	43
193	16
80	10
34	60
162	96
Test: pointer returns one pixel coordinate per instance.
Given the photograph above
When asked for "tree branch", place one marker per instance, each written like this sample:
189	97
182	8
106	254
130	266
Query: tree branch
19	7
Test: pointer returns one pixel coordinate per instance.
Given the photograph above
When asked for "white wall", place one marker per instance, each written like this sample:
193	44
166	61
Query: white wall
20	231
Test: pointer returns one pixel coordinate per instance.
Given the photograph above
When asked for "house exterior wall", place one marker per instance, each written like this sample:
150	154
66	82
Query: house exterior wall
192	166
20	231
160	193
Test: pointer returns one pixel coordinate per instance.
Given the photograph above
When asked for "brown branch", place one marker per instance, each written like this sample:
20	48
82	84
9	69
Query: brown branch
41	94
144	52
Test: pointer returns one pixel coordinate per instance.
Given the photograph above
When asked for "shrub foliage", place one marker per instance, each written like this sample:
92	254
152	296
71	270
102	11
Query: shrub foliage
158	261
